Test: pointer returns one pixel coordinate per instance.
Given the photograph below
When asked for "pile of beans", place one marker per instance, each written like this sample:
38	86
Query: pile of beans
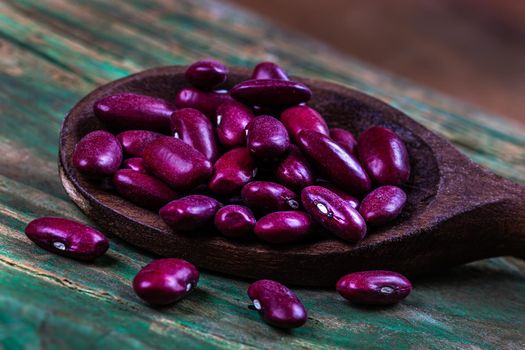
254	161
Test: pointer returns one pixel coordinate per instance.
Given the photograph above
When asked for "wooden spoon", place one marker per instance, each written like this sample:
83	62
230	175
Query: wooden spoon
456	211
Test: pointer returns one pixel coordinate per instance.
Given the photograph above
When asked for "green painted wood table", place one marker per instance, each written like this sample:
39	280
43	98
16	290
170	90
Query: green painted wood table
52	52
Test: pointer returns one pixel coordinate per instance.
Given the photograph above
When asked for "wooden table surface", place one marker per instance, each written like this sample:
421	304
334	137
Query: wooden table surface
52	52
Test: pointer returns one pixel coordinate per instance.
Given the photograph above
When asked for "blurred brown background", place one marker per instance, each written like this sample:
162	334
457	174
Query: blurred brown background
473	50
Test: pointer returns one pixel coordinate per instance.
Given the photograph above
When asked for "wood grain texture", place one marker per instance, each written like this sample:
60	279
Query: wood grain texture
53	52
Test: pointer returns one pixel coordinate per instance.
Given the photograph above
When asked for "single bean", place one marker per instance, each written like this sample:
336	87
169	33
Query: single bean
354	202
235	221
134	141
277	305
176	163
384	156
67	237
284	227
266	197
165	281
203	101
98	154
190	212
340	167
299	118
271	92
206	74
345	139
266	137
294	171
333	213
128	111
135	164
374	287
232	170
269	70
382	205
232	119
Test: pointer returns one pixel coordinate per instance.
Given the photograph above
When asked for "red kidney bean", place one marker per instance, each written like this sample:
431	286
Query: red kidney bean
232	170
374	287
192	127
134	141
266	137
165	281
354	202
384	156
232	119
294	171
142	189
67	237
284	227
340	167
345	139
271	92
235	221
269	70
333	213
135	164
98	154
128	111
266	197
277	305
206	74
190	212
299	118
204	101
382	205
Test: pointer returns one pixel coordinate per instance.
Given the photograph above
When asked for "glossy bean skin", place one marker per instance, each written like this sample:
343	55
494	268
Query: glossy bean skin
265	197
190	212
192	127
340	167
234	221
129	111
67	237
333	213
206	74
384	156
375	287
142	189
277	305
382	205
134	141
345	139
232	119
271	92
267	138
206	102
176	163
294	171
232	171
165	281
135	164
284	227
354	202
98	154
269	70
299	118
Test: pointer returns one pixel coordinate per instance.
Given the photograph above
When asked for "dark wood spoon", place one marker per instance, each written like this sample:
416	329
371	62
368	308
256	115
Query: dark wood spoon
456	211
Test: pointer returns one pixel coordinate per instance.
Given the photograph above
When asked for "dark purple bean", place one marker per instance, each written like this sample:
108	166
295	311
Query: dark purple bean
190	212
134	141
128	111
135	164
333	213
271	92
266	197
232	170
98	154
344	139
294	171
284	227
67	237
374	287
176	163
340	167
354	202
206	74
235	221
299	118
266	137
203	101
383	205
142	189
232	119
277	305
269	70
192	127
165	281
384	156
